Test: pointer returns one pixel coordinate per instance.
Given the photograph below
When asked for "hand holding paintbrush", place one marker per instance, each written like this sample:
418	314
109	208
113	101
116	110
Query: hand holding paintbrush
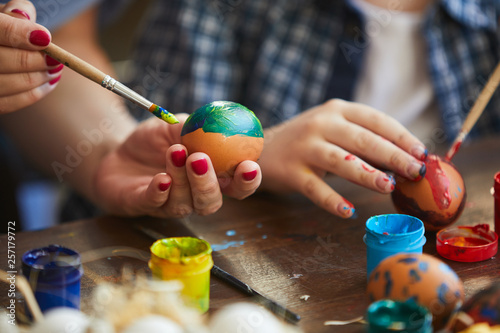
94	74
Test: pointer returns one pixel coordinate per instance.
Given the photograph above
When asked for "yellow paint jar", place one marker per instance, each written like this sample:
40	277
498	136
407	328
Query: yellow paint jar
188	260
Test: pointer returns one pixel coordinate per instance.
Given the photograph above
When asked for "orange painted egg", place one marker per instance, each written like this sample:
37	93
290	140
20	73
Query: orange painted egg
421	277
228	132
437	199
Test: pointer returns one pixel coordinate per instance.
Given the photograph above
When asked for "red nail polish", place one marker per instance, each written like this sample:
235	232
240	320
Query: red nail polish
56	70
55	80
164	186
20	12
200	167
51	61
248	176
179	158
39	38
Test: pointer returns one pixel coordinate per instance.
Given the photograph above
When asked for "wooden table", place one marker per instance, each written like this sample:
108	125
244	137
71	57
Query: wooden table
283	246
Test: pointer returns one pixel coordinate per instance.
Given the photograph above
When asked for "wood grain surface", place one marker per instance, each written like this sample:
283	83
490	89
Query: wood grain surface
283	246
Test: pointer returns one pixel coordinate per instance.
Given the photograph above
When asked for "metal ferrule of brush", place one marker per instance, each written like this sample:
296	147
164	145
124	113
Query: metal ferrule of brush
111	84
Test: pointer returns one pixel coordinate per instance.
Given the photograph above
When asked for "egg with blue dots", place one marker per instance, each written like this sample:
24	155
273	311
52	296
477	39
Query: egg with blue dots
421	277
438	199
228	132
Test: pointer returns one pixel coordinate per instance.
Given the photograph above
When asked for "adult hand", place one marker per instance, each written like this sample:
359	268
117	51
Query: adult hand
26	75
152	174
338	137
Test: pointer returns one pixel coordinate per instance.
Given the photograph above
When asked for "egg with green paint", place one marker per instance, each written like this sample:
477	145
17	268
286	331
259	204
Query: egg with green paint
228	132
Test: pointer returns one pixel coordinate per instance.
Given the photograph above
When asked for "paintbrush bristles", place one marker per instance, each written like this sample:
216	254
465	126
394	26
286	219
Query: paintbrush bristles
75	63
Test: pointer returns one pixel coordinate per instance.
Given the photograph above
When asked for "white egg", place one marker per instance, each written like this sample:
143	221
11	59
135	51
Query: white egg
244	317
153	323
99	325
8	322
62	320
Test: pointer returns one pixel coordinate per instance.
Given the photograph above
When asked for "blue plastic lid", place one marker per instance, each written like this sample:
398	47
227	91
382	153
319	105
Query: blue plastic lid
53	264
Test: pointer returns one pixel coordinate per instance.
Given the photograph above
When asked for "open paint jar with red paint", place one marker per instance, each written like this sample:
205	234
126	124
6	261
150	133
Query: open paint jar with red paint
467	243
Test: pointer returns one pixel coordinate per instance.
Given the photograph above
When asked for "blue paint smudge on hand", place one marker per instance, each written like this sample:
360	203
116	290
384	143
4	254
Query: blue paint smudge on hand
230	233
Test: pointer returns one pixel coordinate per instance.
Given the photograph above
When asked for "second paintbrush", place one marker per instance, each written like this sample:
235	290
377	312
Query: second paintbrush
82	67
271	305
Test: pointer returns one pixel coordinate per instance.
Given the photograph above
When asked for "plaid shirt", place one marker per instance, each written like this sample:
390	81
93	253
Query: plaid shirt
282	57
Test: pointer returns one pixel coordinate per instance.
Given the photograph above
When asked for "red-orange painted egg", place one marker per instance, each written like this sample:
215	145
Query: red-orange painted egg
437	199
228	132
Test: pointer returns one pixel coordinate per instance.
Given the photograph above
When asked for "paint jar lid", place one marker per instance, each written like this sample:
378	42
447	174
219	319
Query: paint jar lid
467	243
180	256
394	230
53	264
388	316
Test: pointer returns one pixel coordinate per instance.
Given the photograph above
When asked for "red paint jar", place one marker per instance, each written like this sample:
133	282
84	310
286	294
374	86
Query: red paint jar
467	243
496	196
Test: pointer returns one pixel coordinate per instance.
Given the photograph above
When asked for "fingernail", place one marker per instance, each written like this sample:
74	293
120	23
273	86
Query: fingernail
39	38
346	208
164	186
417	171
56	70
200	167
51	61
55	80
179	158
385	182
420	152
20	12
248	176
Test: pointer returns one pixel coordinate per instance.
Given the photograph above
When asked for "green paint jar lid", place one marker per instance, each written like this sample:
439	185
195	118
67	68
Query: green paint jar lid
396	316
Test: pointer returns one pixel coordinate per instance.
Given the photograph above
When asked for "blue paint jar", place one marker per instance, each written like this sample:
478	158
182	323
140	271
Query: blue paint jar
390	234
387	316
54	273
